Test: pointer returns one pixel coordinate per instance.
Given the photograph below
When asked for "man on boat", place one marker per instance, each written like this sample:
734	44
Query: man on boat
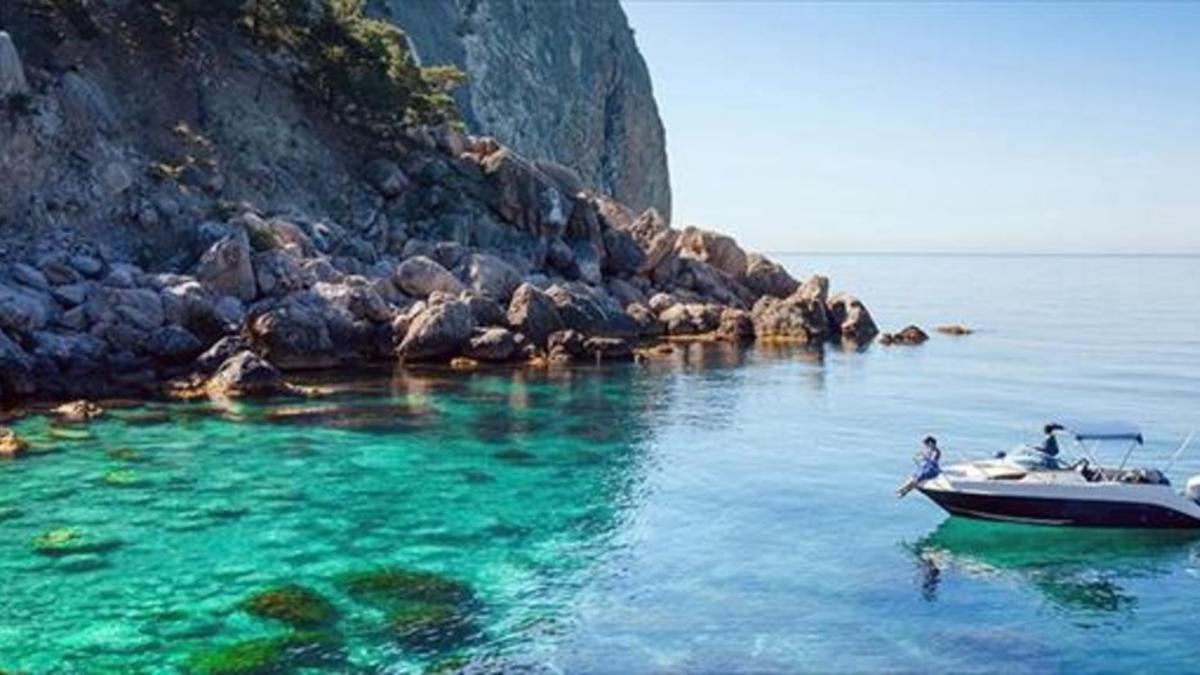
927	465
1049	446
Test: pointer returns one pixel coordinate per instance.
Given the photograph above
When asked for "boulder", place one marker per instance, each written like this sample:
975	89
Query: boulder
278	272
689	319
191	305
590	310
57	270
852	320
356	297
227	267
523	195
490	276
486	311
909	335
814	289
608	348
567	341
123	276
625	293
16	370
766	277
70	352
72	295
12	73
78	411
438	332
277	234
492	345
792	319
533	313
386	177
647	322
11	445
660	302
86	265
141	308
229	312
22	311
737	326
419	276
30	276
294	333
718	250
246	374
623	257
174	345
220	352
954	329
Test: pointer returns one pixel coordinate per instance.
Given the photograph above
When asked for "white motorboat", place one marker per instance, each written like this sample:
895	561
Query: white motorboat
1027	486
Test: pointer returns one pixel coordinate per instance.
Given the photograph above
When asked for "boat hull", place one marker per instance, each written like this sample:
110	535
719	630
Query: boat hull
1041	510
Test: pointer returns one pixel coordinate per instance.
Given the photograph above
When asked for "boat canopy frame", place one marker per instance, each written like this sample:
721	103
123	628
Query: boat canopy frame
1095	433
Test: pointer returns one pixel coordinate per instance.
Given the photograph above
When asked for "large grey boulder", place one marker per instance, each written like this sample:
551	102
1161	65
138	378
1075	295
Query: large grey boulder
438	332
591	311
22	311
532	313
30	276
491	276
279	272
141	308
419	276
767	277
714	248
355	296
793	319
190	304
227	267
294	333
12	74
174	345
492	345
690	319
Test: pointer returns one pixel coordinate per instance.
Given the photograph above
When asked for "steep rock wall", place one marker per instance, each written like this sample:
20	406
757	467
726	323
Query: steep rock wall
559	80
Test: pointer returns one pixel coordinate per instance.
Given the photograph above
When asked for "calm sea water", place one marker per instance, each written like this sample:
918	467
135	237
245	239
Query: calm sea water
716	511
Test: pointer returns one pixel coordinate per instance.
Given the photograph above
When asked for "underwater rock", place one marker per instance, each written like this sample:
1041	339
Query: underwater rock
70	541
125	455
298	606
78	411
515	455
12	445
122	478
389	587
909	335
431	626
262	656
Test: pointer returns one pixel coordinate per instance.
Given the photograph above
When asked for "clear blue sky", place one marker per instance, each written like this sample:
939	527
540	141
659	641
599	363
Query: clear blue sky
932	126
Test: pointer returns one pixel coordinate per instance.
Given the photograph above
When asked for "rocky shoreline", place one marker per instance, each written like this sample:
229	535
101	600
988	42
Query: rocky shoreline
587	280
239	258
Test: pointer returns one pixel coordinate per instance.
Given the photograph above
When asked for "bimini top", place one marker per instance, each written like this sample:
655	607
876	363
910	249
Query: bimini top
1104	431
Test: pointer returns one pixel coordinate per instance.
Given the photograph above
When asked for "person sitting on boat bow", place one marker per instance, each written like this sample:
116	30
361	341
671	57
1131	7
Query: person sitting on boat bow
927	465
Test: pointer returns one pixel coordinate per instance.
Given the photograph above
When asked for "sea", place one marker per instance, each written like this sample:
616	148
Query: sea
715	510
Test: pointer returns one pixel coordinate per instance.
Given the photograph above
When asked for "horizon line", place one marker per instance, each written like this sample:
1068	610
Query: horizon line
995	254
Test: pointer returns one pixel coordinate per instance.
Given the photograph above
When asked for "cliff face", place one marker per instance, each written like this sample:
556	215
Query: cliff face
559	81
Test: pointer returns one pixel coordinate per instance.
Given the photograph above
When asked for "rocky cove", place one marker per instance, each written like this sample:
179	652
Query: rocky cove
215	233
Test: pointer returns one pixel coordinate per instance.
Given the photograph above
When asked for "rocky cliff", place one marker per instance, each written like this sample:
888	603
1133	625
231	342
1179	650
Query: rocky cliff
560	81
176	204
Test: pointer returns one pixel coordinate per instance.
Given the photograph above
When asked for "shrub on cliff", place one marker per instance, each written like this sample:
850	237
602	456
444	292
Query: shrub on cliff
344	56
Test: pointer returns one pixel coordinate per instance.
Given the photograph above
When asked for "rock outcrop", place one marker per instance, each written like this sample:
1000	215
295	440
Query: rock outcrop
556	81
166	222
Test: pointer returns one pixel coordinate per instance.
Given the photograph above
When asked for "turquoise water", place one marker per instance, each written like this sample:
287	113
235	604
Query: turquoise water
715	511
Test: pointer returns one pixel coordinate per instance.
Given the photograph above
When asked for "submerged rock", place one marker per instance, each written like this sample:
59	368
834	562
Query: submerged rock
265	656
70	541
431	627
954	329
390	586
298	606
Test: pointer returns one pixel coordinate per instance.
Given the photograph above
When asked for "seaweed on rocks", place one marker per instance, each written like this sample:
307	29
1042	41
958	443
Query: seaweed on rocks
266	656
293	604
71	541
394	586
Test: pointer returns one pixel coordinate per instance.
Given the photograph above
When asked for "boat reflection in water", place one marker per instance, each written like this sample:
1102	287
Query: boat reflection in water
1079	571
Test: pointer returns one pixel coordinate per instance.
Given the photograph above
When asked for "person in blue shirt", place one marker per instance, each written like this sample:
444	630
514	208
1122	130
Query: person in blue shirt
1049	446
927	465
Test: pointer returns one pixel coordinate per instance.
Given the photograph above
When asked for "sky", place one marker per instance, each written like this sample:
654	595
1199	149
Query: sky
931	127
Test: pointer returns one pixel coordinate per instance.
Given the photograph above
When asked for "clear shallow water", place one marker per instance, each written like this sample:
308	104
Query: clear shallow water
716	511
